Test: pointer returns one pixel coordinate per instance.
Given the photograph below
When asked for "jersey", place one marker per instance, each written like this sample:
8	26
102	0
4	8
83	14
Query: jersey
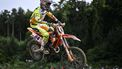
39	15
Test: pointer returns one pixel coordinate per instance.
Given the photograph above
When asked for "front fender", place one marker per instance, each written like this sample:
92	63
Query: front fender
70	36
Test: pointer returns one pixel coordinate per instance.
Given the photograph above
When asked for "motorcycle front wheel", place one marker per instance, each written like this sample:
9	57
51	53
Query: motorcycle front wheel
79	62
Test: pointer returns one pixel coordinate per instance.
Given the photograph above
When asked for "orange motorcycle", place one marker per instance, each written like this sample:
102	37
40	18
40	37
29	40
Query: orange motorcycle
73	56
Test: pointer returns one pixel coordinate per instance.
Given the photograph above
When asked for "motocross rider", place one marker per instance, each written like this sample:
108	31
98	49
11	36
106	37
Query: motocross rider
37	20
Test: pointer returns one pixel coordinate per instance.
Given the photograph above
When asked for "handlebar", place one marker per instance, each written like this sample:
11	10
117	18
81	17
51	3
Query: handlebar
58	24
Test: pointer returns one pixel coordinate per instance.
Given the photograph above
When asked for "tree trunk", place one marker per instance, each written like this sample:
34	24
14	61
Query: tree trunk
12	29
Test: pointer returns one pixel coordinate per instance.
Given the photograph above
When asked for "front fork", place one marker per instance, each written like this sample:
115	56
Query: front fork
69	52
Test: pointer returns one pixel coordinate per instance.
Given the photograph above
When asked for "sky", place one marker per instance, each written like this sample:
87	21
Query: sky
25	4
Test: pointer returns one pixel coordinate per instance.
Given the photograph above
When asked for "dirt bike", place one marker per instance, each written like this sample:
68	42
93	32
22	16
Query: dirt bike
75	56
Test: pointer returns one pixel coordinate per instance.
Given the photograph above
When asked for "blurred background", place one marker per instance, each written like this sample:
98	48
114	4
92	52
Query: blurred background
98	23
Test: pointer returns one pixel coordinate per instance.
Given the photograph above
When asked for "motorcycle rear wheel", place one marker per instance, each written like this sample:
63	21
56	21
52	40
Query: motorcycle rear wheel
33	45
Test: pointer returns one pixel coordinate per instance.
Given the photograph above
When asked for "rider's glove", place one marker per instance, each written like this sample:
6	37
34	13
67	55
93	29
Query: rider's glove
59	21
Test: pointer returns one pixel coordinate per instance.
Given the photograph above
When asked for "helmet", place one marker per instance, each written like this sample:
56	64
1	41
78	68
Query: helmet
45	4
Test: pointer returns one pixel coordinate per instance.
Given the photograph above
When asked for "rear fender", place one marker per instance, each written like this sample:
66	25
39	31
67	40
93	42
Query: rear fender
70	36
31	30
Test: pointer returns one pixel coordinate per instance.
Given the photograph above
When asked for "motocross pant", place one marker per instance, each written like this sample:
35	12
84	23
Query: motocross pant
43	30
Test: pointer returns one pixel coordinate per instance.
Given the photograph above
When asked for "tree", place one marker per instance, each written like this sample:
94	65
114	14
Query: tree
13	20
4	23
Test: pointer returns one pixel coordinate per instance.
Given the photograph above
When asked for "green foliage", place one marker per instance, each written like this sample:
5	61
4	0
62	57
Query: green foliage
108	37
10	49
98	25
14	23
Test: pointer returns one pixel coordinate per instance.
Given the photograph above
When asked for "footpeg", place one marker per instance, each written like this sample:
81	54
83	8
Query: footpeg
38	50
57	50
46	52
